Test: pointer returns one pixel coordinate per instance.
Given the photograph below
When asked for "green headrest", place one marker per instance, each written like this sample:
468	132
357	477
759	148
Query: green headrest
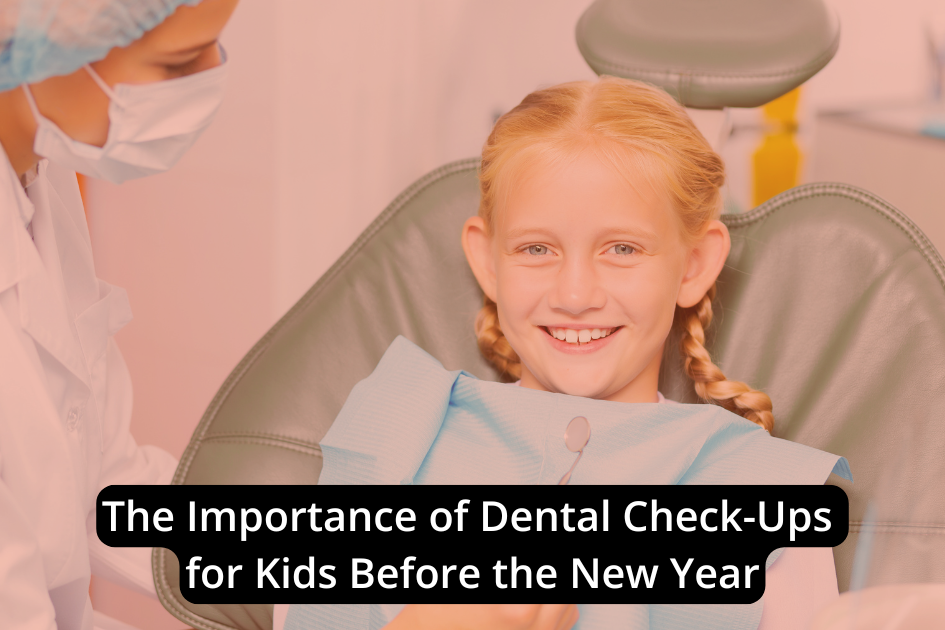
711	54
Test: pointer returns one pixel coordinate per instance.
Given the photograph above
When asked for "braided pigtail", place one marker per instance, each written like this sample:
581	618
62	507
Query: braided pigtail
710	384
492	342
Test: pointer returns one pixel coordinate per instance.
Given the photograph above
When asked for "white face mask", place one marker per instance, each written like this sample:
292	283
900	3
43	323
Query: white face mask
151	126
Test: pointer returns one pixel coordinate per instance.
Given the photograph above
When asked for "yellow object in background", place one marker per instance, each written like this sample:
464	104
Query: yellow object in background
777	162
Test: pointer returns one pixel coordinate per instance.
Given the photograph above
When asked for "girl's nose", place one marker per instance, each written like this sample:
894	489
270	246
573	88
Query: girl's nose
577	288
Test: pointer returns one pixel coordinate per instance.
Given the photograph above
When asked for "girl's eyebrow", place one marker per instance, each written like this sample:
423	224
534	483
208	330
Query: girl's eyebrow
621	231
624	231
517	233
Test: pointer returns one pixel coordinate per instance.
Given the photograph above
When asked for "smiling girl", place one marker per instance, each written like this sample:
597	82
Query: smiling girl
598	232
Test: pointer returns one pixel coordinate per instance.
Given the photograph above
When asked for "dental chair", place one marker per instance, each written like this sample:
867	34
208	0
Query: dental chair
832	302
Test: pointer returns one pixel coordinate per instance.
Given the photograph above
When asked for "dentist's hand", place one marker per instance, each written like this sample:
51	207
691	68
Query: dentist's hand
485	617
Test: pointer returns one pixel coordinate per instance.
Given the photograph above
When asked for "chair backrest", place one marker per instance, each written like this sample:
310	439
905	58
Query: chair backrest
832	301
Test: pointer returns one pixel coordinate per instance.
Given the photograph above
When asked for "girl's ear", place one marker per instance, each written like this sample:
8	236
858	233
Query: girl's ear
478	247
706	259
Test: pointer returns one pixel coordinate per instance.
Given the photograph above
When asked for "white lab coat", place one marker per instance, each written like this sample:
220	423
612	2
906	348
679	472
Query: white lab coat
65	408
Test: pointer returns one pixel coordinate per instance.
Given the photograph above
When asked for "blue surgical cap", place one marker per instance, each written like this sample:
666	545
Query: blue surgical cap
44	38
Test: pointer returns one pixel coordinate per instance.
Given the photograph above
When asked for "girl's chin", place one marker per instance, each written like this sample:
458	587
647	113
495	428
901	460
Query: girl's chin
567	384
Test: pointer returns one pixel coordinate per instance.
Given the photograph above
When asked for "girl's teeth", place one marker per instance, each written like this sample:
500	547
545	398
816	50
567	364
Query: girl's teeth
585	335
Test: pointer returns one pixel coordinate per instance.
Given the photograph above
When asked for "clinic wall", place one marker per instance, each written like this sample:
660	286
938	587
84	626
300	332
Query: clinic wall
332	109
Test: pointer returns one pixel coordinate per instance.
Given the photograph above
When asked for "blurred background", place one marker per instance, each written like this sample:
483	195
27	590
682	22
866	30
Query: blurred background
334	108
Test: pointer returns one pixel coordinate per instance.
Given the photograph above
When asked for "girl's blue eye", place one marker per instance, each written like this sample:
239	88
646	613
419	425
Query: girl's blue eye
537	250
623	249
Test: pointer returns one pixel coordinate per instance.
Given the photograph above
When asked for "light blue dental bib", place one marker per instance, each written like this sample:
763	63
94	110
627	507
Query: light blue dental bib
414	422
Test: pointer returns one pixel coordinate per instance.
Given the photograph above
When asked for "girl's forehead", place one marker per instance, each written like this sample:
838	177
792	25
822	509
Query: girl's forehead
585	188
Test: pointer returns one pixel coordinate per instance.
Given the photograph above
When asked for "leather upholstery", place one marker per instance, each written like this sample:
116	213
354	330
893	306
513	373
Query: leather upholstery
832	301
711	54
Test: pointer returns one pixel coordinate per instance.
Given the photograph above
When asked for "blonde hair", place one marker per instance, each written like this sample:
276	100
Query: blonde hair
640	129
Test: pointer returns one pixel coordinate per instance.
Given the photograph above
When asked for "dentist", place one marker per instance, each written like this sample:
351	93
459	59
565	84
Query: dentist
112	89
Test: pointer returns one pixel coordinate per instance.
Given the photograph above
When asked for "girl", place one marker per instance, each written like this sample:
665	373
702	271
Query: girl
597	235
